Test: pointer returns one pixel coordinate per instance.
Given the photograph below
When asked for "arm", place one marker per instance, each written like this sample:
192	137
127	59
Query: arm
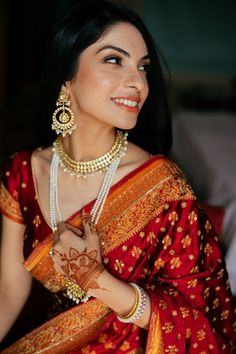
15	282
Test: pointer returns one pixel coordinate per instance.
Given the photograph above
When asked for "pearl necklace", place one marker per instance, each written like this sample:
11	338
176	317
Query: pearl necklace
85	168
73	290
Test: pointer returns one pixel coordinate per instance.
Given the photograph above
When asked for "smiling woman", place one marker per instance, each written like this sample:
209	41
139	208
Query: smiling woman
100	217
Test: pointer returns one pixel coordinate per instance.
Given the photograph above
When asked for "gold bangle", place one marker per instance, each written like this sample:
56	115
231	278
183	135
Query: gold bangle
134	308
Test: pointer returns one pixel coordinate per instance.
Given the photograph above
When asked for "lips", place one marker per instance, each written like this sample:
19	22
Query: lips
128	103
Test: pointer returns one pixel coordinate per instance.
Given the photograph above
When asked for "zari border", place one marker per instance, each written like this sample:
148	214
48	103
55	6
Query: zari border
9	206
139	200
155	340
68	331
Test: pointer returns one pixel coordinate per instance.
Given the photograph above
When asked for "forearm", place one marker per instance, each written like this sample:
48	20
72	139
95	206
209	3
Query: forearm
8	315
120	297
12	300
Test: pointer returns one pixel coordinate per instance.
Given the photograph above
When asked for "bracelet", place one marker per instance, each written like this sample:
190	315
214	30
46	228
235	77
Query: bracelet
138	308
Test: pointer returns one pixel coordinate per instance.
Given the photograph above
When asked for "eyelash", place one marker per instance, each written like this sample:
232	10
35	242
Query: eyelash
117	61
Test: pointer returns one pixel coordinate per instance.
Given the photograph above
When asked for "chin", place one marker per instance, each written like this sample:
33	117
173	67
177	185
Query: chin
128	125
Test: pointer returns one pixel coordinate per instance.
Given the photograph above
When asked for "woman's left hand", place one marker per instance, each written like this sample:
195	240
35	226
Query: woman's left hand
77	255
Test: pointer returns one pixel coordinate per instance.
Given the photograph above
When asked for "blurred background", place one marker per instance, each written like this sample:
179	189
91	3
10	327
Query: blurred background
198	42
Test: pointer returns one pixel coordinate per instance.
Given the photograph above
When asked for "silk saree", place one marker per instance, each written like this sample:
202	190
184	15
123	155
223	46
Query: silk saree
153	233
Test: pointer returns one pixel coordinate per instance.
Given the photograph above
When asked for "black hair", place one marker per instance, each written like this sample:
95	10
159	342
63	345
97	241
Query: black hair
82	26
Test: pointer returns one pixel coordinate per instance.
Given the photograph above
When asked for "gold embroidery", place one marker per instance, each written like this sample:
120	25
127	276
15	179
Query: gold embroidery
168	327
10	206
163	304
206	292
151	237
186	241
140	200
224	315
201	334
175	262
188	333
208	226
171	349
159	263
166	241
192	283
119	265
173	218
194	270
184	311
208	249
136	252
35	243
37	220
125	346
78	324
216	303
192	217
220	274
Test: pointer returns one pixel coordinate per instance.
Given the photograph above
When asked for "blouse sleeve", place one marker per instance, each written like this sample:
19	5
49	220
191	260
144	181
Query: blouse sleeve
191	300
10	189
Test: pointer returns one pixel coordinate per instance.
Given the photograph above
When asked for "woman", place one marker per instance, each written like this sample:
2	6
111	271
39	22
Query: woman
111	230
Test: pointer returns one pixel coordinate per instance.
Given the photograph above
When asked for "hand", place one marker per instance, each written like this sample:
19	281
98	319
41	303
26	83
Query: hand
77	255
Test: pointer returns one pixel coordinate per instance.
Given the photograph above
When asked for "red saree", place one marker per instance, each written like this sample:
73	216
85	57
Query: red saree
152	233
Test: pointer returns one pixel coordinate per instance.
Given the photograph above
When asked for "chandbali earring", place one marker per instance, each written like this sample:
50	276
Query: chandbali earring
63	122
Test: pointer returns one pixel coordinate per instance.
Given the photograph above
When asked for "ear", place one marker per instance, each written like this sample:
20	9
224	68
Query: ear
67	84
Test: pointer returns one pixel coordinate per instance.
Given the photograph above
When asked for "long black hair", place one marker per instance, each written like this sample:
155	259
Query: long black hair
82	26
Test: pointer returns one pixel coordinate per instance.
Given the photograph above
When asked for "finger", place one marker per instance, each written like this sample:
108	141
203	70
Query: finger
61	227
85	215
74	229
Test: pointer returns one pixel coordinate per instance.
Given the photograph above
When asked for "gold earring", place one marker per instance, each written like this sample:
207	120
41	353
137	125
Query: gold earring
63	123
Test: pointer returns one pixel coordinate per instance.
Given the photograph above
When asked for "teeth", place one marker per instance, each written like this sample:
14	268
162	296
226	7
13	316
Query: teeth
126	102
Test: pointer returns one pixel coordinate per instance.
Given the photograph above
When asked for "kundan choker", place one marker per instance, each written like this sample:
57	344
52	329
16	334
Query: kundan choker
98	165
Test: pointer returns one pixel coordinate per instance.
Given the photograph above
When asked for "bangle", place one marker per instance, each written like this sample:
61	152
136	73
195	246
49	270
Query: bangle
138	308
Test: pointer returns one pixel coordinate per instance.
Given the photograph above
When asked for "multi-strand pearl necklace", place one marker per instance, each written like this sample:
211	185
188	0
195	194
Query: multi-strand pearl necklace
85	168
55	214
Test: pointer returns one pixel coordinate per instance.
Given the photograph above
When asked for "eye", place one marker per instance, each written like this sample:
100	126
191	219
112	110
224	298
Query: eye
146	67
113	59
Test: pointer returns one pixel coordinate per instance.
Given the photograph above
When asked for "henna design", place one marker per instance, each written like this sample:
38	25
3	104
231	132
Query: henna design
82	268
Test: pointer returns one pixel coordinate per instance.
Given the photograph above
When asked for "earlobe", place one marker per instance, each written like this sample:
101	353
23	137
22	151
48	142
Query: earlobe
66	86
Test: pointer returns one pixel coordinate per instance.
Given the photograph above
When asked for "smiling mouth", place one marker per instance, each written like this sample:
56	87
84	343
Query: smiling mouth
127	104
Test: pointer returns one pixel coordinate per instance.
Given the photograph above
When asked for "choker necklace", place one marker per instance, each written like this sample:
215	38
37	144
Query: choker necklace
74	291
98	165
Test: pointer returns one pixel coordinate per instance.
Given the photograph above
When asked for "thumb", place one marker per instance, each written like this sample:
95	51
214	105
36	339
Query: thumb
88	226
74	229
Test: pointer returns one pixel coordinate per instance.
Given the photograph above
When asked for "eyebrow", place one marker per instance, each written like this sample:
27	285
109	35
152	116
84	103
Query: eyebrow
120	50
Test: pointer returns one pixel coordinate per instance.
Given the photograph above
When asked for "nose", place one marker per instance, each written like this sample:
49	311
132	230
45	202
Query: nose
136	79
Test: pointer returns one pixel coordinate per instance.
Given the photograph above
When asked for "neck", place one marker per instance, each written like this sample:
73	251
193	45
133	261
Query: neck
88	144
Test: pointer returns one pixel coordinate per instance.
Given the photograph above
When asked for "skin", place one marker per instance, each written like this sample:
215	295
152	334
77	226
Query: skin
104	73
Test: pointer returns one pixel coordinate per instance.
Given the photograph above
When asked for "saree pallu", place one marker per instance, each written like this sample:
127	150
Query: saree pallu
152	233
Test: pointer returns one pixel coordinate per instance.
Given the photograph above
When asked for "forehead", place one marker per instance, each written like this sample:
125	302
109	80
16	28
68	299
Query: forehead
123	35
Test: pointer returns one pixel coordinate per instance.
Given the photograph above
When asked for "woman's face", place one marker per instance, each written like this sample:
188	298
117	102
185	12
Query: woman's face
110	86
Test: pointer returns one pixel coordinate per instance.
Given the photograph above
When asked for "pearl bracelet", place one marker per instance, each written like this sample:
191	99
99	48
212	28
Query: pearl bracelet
138	308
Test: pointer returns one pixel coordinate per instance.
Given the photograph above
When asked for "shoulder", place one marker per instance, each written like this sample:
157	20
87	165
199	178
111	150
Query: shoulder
17	160
135	156
42	157
172	179
15	166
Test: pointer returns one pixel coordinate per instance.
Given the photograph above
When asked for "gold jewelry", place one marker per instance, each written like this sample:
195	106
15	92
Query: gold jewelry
98	165
74	292
64	123
134	308
138	308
